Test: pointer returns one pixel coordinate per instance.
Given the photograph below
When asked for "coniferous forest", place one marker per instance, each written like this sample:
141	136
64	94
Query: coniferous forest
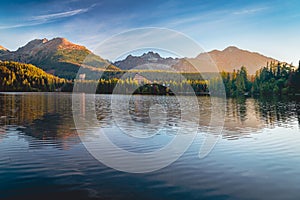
16	76
273	79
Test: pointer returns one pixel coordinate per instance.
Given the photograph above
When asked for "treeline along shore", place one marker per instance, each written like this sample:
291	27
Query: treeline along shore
273	79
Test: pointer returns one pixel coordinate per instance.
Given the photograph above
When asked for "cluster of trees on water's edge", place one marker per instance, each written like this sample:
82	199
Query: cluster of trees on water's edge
131	86
274	79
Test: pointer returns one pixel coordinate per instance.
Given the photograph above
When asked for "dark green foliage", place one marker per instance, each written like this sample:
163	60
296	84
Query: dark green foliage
276	79
295	81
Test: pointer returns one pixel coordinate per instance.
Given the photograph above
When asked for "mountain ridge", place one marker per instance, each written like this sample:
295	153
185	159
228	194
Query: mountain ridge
232	58
147	61
229	59
63	58
57	56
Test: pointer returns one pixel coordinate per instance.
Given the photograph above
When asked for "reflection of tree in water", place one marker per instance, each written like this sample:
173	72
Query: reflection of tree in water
139	107
53	128
49	117
50	126
43	116
245	116
277	111
24	108
241	118
2	133
241	108
298	112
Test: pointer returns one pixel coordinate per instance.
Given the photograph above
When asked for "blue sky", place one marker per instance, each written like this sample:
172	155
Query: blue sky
269	27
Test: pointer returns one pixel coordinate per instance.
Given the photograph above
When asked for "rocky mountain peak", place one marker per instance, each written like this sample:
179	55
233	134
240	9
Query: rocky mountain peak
57	56
151	54
149	60
232	58
31	45
231	48
45	40
61	41
3	48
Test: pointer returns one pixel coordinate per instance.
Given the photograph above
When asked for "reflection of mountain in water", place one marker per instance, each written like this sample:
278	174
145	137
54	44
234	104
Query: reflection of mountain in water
20	108
48	116
244	116
42	116
52	127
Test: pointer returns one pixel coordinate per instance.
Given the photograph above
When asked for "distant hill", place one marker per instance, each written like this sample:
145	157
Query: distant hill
227	60
57	56
16	76
233	58
147	61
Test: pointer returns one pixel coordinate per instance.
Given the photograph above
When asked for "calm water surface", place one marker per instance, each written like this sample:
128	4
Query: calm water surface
42	157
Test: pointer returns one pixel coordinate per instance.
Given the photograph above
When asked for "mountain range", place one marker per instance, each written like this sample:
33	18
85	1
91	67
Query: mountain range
62	58
57	56
147	61
231	58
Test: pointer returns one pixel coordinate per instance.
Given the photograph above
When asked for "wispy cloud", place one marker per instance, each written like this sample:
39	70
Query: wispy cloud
42	19
249	11
210	17
59	15
25	24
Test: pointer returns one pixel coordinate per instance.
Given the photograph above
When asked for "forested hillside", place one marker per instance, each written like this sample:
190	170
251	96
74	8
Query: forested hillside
57	56
16	76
